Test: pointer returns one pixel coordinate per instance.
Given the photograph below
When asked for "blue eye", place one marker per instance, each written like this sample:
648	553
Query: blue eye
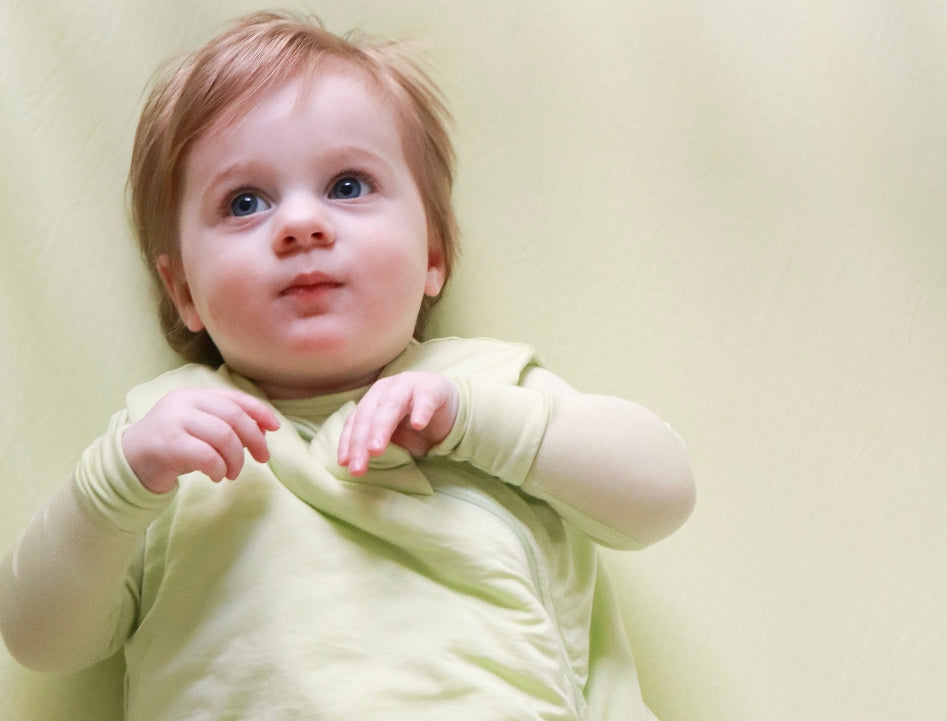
349	187
247	204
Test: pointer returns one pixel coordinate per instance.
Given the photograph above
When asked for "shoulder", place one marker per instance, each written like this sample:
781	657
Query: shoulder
141	398
485	359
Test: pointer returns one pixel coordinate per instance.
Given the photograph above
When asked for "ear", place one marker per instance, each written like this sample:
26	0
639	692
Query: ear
436	270
172	275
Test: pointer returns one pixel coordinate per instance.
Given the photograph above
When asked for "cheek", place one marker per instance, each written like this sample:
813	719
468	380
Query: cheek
394	286
408	269
225	296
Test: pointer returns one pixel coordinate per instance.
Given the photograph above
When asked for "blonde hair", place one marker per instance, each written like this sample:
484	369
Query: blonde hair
257	54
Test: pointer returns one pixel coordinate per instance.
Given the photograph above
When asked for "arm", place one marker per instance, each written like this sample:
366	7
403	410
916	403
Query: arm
609	466
64	599
69	587
613	461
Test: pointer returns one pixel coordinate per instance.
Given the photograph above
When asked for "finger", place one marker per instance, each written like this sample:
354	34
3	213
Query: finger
423	408
408	408
353	451
369	427
342	452
247	417
411	440
345	437
261	412
391	409
218	435
193	454
351	439
439	417
346	442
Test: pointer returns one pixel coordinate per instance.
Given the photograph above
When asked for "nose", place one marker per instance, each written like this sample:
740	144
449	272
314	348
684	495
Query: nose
303	223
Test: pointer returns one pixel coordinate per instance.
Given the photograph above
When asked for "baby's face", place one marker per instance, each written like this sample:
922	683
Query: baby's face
304	243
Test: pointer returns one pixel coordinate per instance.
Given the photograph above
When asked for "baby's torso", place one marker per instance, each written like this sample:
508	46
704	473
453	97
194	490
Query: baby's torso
422	590
360	601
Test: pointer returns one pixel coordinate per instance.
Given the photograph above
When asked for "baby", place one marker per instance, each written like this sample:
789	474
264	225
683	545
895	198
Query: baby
410	533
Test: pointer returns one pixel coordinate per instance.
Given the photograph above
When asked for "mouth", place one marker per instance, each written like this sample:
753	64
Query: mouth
307	285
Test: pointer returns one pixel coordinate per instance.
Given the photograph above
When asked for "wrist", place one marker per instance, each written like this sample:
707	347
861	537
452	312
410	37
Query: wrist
499	429
111	487
145	471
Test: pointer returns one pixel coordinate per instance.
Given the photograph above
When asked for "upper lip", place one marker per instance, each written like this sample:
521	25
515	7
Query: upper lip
310	279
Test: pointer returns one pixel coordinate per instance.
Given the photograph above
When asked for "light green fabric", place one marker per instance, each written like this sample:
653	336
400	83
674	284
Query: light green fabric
422	590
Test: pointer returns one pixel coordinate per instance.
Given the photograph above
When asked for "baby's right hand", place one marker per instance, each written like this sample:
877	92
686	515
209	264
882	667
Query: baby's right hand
197	429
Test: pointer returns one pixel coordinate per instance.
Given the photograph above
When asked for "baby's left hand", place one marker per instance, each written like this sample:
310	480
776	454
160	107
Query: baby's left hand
415	410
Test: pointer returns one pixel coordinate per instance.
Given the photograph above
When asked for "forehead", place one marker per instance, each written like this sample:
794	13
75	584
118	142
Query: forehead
352	88
336	107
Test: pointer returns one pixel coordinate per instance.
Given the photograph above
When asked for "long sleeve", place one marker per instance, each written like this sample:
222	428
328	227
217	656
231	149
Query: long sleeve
608	466
67	594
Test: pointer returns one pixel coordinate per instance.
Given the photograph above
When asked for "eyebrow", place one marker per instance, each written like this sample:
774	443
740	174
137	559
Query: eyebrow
222	180
342	156
234	170
342	153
